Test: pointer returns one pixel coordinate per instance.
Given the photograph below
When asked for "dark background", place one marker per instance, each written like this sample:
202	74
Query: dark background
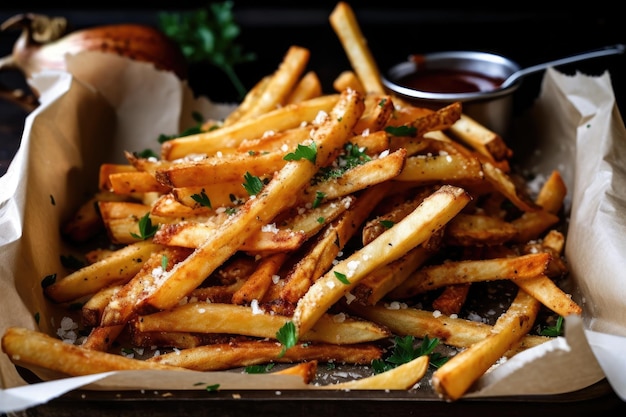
525	32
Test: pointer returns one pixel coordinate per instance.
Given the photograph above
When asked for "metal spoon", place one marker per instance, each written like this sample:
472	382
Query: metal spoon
609	50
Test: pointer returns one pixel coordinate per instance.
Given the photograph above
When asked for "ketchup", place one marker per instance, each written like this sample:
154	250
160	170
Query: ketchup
449	81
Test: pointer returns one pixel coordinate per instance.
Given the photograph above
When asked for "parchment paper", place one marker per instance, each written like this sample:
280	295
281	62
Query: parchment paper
88	117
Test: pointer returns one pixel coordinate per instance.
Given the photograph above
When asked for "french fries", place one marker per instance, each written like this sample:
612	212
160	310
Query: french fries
310	227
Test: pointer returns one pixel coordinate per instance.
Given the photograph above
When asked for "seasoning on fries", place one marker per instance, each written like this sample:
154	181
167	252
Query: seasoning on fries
307	228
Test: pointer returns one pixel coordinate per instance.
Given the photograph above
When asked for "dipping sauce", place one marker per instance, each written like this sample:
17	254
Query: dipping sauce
449	81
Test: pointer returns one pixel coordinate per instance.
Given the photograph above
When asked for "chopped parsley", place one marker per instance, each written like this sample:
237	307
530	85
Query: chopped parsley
351	157
303	152
387	224
401	130
253	184
164	262
319	197
209	35
147	153
259	369
212	388
202	199
342	278
195	129
553	331
287	336
146	228
404	351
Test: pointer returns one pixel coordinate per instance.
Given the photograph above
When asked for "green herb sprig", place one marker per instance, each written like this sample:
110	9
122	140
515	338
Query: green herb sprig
209	35
146	228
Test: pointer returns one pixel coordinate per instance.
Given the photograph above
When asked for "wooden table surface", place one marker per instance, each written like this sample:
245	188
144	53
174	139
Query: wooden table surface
393	32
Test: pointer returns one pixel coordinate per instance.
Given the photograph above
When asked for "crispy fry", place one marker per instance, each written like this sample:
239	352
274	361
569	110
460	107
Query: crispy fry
417	227
345	25
457	332
449	273
115	269
401	377
454	377
220	140
257	284
32	348
218	357
204	317
307	88
483	140
348	79
230	236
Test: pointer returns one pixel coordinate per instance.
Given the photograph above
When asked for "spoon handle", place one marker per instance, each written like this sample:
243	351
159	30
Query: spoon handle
609	50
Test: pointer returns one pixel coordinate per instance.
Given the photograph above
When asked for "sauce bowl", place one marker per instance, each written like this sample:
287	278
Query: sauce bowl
437	79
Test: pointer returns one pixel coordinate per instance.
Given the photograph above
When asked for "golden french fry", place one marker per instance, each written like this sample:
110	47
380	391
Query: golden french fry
457	332
480	138
480	229
459	272
31	348
257	284
428	169
114	269
454	377
128	301
319	258
417	227
219	140
227	239
307	88
236	354
226	168
202	317
306	370
451	299
248	101
401	377
348	79
281	83
345	25
135	182
102	338
384	279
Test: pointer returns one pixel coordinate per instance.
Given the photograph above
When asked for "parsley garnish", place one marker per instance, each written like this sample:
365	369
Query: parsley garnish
147	153
202	199
401	130
387	224
342	277
351	157
303	152
164	262
213	387
553	331
253	184
404	352
197	128
259	369
146	229
209	35
319	196
287	336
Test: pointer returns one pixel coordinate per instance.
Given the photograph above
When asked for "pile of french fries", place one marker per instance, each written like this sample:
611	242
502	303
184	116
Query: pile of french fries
322	217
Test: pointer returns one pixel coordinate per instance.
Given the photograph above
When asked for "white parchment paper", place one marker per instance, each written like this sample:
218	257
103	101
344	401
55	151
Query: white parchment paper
87	118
